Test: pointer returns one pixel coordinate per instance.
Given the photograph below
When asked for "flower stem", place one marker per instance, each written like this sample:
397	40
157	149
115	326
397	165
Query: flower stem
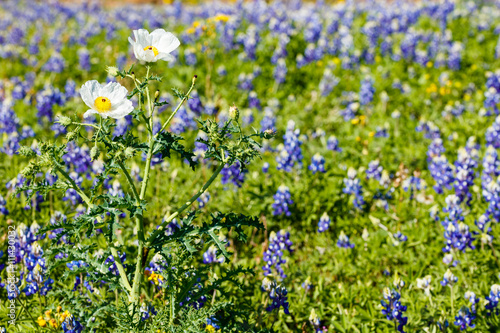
186	205
180	104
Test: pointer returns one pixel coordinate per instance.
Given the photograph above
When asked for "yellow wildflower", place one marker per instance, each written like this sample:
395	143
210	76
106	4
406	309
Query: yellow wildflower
41	322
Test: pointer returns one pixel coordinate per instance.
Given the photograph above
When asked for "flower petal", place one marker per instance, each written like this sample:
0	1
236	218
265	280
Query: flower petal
121	109
115	92
89	92
167	43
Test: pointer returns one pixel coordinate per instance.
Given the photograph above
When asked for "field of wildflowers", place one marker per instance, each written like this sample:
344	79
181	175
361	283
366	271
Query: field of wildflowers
250	166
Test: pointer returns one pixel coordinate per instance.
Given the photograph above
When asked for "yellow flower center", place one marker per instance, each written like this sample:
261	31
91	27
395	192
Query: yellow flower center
152	48
102	104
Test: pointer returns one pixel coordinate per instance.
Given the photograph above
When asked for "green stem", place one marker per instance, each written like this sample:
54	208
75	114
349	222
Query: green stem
87	200
29	314
185	206
452	296
74	185
121	271
179	106
130	182
139	219
85	124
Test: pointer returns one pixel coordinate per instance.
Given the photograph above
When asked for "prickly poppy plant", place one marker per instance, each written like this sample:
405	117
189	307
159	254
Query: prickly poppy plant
249	166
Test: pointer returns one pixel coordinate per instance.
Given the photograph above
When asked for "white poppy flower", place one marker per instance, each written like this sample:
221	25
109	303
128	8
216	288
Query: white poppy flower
108	100
151	47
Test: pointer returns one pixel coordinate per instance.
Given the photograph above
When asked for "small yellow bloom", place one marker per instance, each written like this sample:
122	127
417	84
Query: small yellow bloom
210	329
53	323
442	91
473	67
355	121
372	133
191	31
429	64
378	58
156	278
48	313
221	18
336	61
41	322
467	97
358	138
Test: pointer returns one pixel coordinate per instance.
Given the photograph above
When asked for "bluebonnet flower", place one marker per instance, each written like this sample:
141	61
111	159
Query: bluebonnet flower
344	242
393	309
183	120
333	144
493	299
425	284
473	300
111	264
277	294
203	199
328	82
71	325
307	285
381	132
324	222
413	184
430	130
350	111
442	173
280	71
147	311
282	201
464	173
449	279
290	152
374	170
253	100
435	149
195	104
265	167
45	101
491	168
190	57
398	236
71	193
55	64
84	59
268	122
316	323
464	319
233	173
122	125
273	256
493	133
210	256
317	164
3	204
211	326
353	187
221	70
245	81
366	92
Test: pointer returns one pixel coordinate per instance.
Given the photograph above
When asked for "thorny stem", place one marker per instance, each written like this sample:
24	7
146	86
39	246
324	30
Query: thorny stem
85	124
74	185
185	206
121	270
87	200
130	182
180	104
